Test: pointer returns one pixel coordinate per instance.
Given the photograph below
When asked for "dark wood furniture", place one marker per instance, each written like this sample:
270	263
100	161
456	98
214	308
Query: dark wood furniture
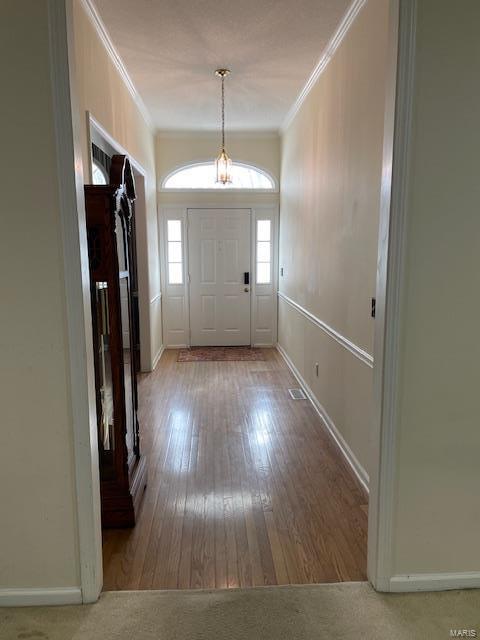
110	218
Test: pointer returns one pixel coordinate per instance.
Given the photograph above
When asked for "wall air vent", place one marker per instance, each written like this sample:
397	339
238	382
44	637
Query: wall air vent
297	394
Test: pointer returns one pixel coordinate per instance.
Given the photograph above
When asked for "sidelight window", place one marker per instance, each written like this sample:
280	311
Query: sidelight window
175	253
264	252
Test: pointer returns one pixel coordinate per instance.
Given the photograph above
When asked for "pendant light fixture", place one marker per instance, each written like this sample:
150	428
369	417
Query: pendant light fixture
223	163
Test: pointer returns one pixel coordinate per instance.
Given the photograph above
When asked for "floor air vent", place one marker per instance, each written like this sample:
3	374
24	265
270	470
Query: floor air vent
297	394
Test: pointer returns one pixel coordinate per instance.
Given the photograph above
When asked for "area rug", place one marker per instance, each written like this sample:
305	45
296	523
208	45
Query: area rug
220	354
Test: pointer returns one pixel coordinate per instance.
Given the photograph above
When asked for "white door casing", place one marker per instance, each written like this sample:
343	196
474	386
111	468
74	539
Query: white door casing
218	257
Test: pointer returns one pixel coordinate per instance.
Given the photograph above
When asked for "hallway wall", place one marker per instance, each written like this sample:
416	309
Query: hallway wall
437	515
102	92
38	531
330	194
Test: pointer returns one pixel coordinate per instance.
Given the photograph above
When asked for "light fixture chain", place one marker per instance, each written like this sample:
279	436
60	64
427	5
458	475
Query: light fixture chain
223	113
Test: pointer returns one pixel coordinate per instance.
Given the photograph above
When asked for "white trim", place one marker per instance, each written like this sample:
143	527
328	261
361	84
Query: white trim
236	190
106	40
327	54
176	346
340	441
358	352
157	357
155	298
435	581
390	269
209	133
93	122
77	295
40	597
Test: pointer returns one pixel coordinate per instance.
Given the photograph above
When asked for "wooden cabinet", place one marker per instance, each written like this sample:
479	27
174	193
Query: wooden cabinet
110	220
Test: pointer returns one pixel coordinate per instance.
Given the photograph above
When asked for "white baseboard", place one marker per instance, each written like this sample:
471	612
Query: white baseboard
157	357
435	581
176	346
348	454
40	597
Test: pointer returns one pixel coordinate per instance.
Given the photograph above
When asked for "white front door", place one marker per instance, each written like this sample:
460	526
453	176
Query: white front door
218	258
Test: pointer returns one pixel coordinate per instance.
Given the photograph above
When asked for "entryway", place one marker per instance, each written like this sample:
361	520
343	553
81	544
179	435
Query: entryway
219	275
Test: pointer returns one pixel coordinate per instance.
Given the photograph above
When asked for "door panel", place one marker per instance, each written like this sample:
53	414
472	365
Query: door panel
218	256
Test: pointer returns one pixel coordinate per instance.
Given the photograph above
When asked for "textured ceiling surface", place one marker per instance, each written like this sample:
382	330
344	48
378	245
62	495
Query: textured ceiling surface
171	48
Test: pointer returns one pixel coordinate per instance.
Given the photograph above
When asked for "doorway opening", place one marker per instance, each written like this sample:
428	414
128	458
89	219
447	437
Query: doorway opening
246	487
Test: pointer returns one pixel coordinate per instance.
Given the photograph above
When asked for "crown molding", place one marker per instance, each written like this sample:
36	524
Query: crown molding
211	133
327	54
104	36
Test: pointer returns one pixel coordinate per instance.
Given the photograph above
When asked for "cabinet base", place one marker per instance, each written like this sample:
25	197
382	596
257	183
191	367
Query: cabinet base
120	506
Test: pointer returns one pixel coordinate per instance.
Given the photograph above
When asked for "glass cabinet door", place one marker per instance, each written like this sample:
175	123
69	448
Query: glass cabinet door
104	384
125	315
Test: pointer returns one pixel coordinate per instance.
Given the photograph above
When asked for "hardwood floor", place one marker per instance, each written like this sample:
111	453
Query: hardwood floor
245	486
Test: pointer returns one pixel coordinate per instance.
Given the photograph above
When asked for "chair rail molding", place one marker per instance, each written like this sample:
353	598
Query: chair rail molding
357	351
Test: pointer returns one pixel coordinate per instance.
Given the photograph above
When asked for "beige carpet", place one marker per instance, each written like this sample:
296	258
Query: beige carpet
350	611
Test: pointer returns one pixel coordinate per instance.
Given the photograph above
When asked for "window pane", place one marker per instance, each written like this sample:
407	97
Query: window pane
175	230
203	176
263	251
263	230
98	174
175	273
263	273
175	252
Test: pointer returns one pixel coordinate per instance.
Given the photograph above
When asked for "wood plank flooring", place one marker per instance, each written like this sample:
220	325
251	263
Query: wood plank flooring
245	486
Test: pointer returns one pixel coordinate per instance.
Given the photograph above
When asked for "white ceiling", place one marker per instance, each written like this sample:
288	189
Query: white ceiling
171	48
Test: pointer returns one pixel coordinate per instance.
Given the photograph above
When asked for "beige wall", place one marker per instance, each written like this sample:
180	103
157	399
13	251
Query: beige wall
330	190
102	92
437	519
38	532
174	150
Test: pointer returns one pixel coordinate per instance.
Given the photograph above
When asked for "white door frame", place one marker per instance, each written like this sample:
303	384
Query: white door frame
179	336
144	301
77	294
389	288
390	283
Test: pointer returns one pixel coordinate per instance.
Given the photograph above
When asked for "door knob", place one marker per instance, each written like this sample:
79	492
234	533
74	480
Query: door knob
246	289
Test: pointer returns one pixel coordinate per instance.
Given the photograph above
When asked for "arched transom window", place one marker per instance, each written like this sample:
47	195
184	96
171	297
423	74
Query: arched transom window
203	175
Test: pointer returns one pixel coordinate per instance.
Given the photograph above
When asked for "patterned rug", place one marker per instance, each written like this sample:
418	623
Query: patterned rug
222	354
